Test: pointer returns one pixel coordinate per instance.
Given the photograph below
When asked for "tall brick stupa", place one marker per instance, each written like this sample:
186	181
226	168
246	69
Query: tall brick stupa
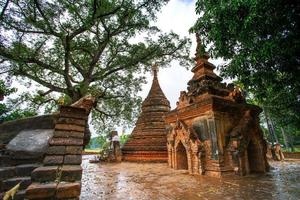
147	142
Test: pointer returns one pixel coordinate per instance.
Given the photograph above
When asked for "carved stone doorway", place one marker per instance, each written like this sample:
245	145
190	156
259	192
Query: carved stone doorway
181	157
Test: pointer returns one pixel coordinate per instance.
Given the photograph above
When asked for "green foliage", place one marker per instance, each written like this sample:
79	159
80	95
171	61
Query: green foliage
9	110
123	139
85	47
101	141
97	142
4	90
260	40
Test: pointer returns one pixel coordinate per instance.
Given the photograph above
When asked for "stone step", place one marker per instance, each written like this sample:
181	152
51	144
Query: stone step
10	183
26	169
7	172
5	160
52	190
20	195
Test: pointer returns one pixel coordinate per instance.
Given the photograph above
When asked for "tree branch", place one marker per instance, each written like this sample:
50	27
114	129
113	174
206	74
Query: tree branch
67	62
94	17
104	113
77	66
4	9
46	93
46	19
42	82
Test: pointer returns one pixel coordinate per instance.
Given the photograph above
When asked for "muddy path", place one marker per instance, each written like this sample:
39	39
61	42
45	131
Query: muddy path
132	181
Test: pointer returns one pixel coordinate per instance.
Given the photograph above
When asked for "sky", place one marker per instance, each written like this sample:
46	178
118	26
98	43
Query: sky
177	16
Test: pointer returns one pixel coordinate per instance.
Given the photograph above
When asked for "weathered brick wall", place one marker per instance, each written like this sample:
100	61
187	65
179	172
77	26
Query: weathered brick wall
60	175
294	155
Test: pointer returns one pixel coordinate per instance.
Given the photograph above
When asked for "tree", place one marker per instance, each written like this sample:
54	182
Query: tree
260	40
9	110
101	47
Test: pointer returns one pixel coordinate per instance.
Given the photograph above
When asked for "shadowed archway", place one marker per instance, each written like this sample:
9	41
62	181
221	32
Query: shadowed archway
181	157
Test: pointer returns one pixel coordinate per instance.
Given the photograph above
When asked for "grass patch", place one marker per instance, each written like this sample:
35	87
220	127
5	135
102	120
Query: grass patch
92	151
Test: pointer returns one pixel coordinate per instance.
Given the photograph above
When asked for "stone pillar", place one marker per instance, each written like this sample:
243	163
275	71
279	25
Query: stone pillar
190	161
169	155
60	175
173	157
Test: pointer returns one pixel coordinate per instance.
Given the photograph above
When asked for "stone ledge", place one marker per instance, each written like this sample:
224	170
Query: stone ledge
44	174
69	127
56	150
7	172
66	141
64	120
71	173
68	190
53	160
10	183
72	112
25	169
41	191
68	134
74	149
72	159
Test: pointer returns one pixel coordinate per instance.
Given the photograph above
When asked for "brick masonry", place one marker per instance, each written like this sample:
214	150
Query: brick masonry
60	175
213	131
147	143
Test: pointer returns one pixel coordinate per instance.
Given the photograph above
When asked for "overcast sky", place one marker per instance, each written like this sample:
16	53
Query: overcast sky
177	16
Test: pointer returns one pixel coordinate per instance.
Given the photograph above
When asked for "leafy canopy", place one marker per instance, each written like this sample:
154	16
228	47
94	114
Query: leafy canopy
72	48
9	110
260	39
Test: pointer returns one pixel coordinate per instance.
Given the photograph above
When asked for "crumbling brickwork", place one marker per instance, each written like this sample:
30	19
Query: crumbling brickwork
213	129
60	175
148	139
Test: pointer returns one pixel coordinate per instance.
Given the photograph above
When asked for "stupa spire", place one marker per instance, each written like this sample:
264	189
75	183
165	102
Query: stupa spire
148	139
155	70
200	50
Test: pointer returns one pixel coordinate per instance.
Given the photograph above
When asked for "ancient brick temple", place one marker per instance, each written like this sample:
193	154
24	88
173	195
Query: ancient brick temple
148	139
213	131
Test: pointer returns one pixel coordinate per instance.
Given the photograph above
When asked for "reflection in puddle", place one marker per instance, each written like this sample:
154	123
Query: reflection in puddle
157	181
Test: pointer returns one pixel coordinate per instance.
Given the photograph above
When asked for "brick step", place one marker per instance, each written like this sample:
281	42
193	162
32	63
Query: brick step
20	195
7	172
26	169
4	160
10	183
52	190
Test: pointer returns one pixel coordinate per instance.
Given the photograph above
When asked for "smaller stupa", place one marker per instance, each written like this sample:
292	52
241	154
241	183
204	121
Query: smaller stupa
148	139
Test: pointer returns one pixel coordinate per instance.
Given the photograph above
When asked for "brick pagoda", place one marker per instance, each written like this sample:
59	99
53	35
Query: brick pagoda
148	139
213	131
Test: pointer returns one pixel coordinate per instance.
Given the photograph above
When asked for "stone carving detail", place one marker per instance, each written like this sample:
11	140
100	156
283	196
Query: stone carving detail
214	131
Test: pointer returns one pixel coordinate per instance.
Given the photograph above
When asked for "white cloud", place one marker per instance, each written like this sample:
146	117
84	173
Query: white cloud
177	16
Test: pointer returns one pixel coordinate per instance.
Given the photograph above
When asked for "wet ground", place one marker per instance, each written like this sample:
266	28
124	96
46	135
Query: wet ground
132	181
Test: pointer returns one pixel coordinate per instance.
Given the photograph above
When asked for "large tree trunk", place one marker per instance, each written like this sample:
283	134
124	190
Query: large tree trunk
285	139
270	127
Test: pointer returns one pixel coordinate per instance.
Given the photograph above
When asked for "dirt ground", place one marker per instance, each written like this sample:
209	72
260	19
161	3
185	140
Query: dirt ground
133	181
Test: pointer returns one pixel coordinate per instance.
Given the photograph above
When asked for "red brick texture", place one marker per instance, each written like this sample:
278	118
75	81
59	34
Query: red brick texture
147	142
60	175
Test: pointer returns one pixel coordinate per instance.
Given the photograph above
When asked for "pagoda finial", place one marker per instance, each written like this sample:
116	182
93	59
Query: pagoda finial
200	50
155	70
